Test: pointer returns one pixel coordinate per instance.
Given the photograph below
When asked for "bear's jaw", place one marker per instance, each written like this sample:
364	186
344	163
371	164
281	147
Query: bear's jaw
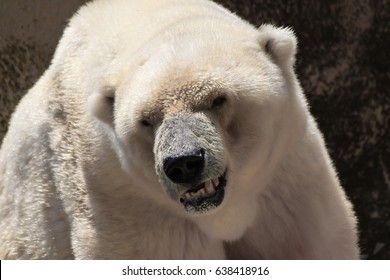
206	196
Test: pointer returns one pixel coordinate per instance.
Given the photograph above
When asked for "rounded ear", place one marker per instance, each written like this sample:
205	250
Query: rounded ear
100	103
279	43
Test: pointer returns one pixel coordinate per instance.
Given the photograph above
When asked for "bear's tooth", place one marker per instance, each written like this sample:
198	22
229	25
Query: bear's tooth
209	187
188	195
196	194
215	181
202	191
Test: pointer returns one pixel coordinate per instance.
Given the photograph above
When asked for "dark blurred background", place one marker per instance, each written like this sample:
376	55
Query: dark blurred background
343	64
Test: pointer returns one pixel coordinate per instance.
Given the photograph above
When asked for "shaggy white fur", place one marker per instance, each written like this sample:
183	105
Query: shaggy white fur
170	129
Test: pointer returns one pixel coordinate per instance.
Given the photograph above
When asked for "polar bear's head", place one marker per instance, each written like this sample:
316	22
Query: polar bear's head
206	120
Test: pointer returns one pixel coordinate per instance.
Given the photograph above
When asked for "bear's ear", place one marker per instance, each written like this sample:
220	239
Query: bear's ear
101	103
279	43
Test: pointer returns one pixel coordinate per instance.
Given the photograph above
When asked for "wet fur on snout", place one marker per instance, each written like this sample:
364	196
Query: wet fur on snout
181	134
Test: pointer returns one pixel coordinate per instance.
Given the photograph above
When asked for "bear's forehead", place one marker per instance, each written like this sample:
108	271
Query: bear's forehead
186	96
173	97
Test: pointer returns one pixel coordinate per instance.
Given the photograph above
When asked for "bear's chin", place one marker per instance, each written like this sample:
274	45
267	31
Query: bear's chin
231	219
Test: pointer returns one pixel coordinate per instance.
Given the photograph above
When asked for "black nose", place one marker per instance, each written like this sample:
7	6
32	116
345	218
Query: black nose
184	168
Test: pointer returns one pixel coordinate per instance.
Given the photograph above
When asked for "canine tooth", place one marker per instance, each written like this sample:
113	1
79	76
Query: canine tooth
215	181
209	187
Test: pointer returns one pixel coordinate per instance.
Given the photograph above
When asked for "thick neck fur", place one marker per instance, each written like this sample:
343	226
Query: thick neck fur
296	209
120	235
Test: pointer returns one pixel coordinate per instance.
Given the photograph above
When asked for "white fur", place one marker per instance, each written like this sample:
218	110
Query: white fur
77	176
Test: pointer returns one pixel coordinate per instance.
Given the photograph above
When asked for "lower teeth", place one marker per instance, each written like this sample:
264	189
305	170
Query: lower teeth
207	190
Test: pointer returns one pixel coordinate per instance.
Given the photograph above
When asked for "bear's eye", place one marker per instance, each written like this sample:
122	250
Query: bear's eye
145	123
218	102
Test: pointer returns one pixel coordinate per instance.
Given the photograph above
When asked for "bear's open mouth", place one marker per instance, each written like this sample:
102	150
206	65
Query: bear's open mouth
206	196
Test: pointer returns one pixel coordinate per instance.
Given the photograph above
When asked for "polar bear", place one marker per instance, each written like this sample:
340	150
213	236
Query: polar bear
170	129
